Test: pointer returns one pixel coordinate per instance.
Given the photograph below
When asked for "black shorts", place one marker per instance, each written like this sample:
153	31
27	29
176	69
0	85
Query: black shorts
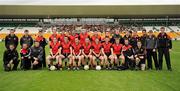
142	61
66	55
108	54
94	54
118	55
86	53
54	54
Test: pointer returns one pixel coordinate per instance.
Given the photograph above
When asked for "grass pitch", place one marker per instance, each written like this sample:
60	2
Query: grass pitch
44	80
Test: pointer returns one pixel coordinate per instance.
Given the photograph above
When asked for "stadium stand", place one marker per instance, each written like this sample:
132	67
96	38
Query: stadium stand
89	24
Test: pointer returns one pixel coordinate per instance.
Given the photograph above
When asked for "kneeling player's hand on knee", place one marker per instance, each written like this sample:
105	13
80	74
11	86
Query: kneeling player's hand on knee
8	65
11	62
131	57
137	59
141	57
35	62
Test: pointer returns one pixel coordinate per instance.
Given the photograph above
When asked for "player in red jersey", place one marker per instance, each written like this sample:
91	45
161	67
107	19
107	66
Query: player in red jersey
54	54
72	37
83	36
97	53
62	35
66	52
116	53
106	51
54	35
86	53
76	51
95	36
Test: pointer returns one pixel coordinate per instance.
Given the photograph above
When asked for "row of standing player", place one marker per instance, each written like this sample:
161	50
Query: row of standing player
77	51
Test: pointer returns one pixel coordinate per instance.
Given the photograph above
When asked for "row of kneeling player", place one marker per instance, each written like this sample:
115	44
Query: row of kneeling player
106	55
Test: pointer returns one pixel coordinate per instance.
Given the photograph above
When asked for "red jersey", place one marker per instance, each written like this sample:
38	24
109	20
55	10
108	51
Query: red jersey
54	47
86	48
127	50
83	37
126	47
54	36
25	52
66	47
97	47
76	48
72	38
62	37
117	48
107	47
93	38
39	38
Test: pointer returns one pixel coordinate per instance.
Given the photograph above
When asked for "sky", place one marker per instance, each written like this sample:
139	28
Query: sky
89	2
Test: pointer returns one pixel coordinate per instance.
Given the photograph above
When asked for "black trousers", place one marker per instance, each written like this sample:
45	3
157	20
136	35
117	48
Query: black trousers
26	64
44	58
15	62
165	52
142	61
37	66
150	55
129	63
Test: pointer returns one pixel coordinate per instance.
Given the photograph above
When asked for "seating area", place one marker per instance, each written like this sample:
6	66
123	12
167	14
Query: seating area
173	31
34	27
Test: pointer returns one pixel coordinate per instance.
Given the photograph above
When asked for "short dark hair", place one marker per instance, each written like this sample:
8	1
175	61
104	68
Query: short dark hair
40	30
106	36
126	39
11	44
26	30
130	32
144	30
162	28
77	37
12	29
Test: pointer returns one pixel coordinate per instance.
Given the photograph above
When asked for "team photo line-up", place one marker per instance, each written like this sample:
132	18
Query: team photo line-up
76	51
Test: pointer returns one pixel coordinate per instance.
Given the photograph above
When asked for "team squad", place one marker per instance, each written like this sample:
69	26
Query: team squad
74	51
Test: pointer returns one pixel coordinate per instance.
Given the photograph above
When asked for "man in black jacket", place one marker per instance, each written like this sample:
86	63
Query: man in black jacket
164	46
37	55
143	38
11	39
10	57
115	35
127	36
134	39
26	38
